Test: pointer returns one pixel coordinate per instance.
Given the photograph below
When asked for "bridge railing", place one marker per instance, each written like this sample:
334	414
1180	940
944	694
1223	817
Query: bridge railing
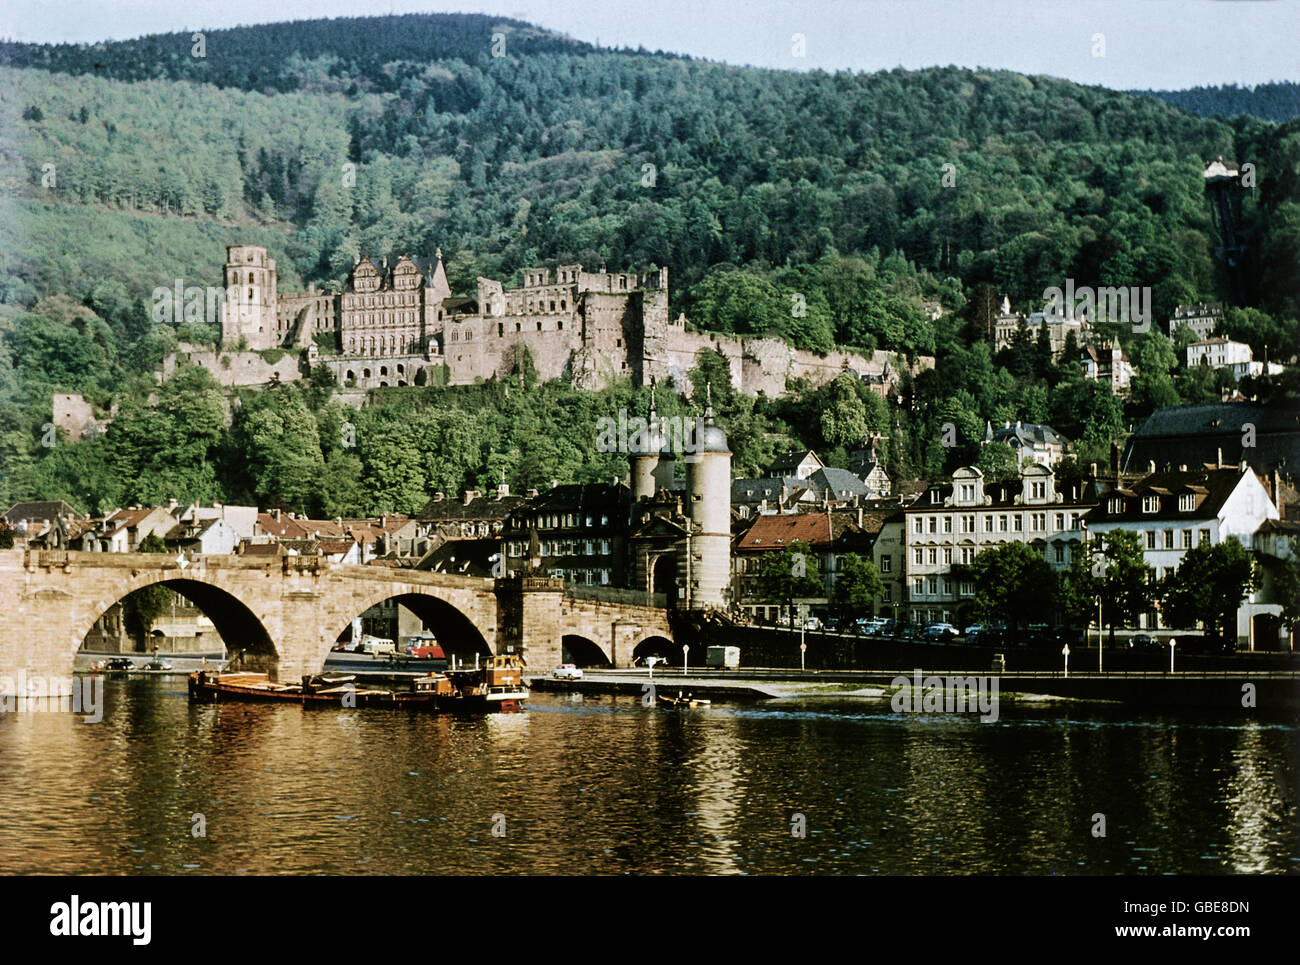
612	594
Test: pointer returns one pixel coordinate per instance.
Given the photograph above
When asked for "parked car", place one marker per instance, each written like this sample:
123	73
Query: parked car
812	623
157	664
972	632
567	671
118	663
1142	641
939	631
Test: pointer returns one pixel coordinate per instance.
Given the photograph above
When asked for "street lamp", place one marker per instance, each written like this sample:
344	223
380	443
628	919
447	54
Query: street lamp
1065	651
1172	643
685	649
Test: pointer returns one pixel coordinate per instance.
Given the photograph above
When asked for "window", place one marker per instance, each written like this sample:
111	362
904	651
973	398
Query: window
934	556
1060	521
968	492
947	555
1187	539
970	524
1151	540
933	586
967	589
918	557
918	586
1002	524
967	554
920	525
1205	536
1038	490
886	564
947	524
1060	553
947	587
988	524
1186	503
1150	504
1169	539
1015	522
934	524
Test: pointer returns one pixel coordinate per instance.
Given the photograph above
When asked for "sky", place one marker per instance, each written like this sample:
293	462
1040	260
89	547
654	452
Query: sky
1122	44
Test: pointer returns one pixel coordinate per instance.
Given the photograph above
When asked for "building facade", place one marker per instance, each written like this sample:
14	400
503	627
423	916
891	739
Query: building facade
951	523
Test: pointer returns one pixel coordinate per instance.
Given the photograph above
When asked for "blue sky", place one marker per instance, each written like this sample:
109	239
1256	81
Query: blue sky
1147	43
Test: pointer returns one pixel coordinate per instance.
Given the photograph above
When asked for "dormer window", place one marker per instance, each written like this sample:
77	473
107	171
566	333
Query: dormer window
967	492
1186	502
1038	490
1150	504
1116	507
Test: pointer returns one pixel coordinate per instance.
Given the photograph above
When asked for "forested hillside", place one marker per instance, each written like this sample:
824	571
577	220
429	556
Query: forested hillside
1270	102
126	166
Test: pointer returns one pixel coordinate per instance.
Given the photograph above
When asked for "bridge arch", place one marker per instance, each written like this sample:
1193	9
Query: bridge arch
657	646
243	631
582	651
438	609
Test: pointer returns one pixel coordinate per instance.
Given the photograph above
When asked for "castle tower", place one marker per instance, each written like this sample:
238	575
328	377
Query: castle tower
706	556
249	309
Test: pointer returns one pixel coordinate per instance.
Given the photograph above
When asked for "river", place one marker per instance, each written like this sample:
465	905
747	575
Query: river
604	785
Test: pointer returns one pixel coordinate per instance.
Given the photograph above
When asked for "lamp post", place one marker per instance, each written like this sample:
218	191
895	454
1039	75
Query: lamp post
1172	643
686	647
1065	651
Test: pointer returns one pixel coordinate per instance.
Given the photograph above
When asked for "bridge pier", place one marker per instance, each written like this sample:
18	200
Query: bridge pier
530	621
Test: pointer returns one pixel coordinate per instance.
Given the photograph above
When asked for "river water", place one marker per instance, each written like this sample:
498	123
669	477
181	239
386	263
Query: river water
604	785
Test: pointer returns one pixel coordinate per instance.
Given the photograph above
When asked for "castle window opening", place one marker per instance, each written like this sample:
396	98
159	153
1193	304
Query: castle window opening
383	370
559	326
365	373
501	329
552	304
518	327
539	326
401	370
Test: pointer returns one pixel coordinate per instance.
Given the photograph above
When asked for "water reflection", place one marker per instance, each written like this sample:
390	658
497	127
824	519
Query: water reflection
606	786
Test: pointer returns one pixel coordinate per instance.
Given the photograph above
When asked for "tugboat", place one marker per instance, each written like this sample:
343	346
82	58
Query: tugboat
496	686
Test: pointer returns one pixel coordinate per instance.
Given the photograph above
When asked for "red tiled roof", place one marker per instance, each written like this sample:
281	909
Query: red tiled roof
776	531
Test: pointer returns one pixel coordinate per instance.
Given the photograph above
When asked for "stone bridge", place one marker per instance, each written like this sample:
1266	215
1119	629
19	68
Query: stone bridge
286	613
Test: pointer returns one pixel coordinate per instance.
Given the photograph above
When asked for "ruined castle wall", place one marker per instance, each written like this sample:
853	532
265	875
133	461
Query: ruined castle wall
767	365
231	368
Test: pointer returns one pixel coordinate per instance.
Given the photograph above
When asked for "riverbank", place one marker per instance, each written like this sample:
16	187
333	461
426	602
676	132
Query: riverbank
1246	690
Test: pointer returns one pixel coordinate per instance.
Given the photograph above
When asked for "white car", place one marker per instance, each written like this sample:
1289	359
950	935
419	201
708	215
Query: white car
567	671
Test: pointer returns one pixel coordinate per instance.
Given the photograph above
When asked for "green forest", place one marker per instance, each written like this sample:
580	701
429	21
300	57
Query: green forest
125	166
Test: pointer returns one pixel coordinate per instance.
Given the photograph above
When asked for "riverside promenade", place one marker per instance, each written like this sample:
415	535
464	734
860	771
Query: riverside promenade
1244	689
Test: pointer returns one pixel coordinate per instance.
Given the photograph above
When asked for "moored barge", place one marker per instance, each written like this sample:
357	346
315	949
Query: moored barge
496	686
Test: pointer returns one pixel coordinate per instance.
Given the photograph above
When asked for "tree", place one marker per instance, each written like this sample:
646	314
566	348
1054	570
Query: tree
1126	582
1014	583
141	608
788	574
1208	587
844	420
997	460
1286	589
857	585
